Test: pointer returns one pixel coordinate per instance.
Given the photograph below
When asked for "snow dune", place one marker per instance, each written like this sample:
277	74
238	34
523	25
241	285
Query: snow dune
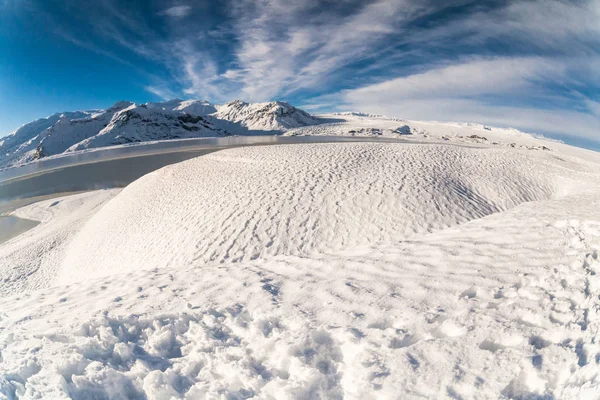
354	270
248	203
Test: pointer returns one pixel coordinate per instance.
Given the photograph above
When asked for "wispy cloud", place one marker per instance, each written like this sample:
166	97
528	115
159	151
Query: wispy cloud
177	11
502	91
472	78
160	91
284	49
594	107
421	58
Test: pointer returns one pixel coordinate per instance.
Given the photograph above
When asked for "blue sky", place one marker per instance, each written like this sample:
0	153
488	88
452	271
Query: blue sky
532	65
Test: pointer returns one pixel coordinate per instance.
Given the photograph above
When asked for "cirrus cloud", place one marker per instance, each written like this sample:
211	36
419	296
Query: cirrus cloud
177	11
490	61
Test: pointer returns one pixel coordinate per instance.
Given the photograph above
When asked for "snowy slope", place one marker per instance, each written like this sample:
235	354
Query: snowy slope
22	143
355	270
276	115
62	135
58	223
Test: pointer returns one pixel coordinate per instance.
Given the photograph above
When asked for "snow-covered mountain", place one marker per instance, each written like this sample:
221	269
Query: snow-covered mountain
276	115
149	122
25	140
127	122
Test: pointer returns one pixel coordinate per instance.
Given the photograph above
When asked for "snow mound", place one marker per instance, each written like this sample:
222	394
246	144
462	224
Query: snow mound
501	307
248	203
276	115
504	306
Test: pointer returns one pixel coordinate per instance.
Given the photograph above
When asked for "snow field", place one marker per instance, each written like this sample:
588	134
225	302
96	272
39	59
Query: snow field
499	306
395	271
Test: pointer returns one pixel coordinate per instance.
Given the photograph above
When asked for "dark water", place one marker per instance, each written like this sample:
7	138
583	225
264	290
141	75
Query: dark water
117	167
90	176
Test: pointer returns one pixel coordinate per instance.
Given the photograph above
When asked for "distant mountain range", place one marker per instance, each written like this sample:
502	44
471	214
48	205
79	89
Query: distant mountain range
127	122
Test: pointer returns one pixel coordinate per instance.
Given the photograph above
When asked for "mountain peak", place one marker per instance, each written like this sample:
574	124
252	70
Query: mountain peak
120	105
274	115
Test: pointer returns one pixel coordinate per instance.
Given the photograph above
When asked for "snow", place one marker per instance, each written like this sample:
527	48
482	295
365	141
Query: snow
313	199
11	226
277	115
462	269
147	123
33	260
127	123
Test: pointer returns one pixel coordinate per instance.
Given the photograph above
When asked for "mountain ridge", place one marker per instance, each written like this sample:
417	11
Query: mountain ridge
128	122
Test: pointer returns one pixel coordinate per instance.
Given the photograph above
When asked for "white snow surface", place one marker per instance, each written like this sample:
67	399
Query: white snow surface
312	199
346	270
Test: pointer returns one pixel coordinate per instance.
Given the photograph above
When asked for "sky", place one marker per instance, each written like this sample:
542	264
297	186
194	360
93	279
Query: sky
532	65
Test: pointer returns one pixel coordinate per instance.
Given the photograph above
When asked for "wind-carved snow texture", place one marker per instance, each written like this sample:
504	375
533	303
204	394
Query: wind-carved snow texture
329	271
247	203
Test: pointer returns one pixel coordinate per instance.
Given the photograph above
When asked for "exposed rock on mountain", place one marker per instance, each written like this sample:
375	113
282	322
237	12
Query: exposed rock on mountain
276	115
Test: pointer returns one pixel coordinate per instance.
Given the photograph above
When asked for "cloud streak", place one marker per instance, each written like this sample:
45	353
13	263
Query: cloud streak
429	59
177	11
494	91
